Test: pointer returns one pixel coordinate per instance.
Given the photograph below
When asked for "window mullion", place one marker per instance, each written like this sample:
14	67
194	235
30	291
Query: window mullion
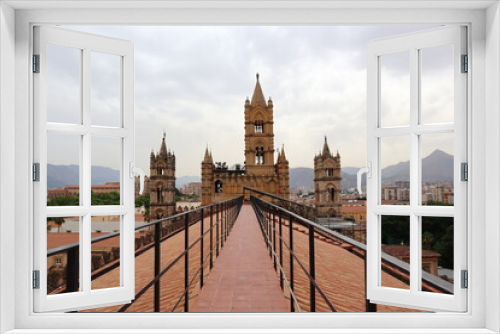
414	170
85	188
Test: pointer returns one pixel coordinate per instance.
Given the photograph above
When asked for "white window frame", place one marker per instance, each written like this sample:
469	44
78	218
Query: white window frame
483	20
87	43
413	43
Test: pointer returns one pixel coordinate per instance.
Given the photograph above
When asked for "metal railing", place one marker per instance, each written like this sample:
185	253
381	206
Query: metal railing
222	217
266	214
306	211
270	214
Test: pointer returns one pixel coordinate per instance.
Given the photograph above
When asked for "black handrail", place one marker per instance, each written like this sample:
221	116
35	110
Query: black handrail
228	211
263	212
225	213
309	212
392	265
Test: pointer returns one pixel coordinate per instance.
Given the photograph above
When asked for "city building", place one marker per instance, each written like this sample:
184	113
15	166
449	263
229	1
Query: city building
328	182
162	183
259	171
402	252
191	188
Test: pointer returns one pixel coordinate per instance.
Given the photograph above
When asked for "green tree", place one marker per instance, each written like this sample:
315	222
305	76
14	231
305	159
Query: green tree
57	220
64	201
112	198
445	247
142	201
395	230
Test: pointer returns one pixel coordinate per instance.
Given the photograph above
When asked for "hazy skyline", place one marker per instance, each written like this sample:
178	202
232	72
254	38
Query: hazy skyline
192	82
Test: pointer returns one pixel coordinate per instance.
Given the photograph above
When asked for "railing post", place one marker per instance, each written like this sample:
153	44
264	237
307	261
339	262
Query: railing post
222	221
225	221
202	245
186	263
290	232
281	248
157	266
211	237
274	240
269	235
312	271
73	270
217	235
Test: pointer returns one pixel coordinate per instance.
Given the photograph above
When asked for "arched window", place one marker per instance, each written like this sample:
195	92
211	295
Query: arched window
329	172
259	155
259	126
159	193
218	187
159	171
331	194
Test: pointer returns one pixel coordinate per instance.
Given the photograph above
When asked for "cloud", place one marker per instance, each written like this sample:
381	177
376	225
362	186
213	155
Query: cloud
192	82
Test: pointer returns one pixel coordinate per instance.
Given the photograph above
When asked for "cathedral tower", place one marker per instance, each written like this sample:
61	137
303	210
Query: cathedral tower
328	182
259	133
162	183
222	182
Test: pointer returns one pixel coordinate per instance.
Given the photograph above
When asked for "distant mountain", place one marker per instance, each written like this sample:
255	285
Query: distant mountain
59	176
182	180
438	166
302	177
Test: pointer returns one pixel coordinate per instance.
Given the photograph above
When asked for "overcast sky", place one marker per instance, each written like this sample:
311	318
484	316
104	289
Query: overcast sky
192	83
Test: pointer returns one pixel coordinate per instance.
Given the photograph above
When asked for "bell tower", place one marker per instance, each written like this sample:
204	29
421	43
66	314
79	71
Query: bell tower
259	133
328	182
162	183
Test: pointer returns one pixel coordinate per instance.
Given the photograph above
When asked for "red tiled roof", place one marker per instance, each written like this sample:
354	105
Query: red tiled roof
404	250
339	272
56	239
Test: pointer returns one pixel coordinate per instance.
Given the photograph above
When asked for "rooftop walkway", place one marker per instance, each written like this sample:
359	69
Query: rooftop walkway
243	278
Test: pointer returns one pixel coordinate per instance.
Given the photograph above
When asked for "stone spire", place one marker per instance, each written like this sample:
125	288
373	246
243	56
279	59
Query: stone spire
282	156
258	98
326	149
163	148
208	156
152	157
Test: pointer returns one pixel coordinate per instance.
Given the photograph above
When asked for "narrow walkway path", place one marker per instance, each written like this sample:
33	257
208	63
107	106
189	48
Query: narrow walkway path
243	278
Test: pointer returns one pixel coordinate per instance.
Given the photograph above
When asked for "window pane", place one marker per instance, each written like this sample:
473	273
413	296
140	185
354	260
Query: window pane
437	254
437	84
437	169
105	256
63	169
395	241
105	89
63	84
395	173
63	265
106	170
395	89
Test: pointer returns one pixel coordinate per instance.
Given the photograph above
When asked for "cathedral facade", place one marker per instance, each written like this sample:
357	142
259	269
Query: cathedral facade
162	183
328	182
260	171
